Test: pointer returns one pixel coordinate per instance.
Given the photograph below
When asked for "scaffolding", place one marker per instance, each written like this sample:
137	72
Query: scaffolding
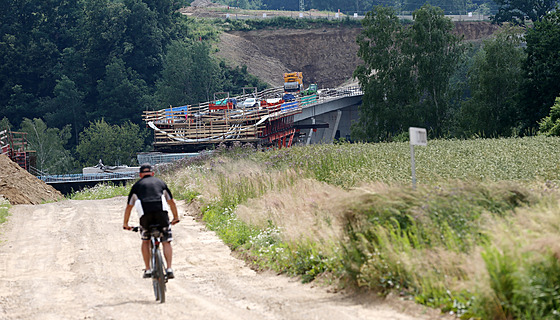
194	128
14	145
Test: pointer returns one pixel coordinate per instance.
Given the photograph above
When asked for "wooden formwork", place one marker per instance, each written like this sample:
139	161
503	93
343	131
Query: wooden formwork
203	125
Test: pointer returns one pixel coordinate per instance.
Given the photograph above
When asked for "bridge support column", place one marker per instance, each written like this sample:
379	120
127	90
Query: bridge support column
310	132
337	122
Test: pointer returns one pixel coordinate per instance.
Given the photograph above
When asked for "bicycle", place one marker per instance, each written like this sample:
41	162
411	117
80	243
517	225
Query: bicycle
159	272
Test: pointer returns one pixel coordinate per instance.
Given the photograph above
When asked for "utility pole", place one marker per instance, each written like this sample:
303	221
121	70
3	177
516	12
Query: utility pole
301	5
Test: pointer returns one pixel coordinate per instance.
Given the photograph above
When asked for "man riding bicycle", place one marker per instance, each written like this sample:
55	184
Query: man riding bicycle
152	198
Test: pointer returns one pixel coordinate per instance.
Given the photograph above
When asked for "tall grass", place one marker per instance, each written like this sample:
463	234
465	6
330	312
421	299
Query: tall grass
478	237
4	207
349	165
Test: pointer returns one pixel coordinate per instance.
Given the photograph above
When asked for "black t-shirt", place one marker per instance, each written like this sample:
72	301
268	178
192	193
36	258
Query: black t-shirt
152	194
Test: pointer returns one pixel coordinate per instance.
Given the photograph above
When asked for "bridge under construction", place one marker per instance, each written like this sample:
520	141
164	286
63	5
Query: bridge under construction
265	118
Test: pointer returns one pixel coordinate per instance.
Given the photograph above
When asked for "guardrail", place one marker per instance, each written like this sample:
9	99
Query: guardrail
65	178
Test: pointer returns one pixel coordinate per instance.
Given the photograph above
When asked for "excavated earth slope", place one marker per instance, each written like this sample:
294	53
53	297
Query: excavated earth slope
326	56
20	187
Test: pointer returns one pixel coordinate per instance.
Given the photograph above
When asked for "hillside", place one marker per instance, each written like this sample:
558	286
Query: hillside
326	56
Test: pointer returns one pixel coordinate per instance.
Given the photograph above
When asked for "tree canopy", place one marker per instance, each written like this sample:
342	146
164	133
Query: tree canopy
113	144
517	11
406	72
542	69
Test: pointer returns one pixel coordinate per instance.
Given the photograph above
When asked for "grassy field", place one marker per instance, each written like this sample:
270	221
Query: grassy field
479	236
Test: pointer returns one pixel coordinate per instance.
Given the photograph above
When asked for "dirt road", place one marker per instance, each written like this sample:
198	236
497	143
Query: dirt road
72	260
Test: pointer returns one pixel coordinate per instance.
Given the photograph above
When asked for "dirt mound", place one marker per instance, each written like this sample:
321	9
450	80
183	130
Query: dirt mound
479	30
326	56
20	187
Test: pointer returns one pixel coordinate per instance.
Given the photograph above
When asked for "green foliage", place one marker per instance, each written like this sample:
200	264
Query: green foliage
433	218
542	85
494	79
406	73
517	11
101	191
67	106
113	144
436	296
228	227
282	22
264	247
421	242
189	74
525	286
4	208
550	126
48	144
349	165
122	94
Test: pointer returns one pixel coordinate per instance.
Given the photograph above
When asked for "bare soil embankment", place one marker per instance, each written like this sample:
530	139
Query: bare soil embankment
20	187
326	56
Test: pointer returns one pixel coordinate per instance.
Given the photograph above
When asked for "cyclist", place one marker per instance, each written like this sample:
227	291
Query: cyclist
152	198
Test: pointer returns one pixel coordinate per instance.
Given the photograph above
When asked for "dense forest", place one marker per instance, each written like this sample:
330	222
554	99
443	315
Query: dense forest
76	75
72	64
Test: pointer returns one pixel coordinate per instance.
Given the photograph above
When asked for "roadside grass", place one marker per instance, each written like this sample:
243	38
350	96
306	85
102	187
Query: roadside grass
479	237
4	210
101	191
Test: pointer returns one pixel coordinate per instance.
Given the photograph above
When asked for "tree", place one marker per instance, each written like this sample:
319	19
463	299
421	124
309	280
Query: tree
550	125
48	144
113	144
406	73
67	106
190	75
121	94
385	76
517	11
542	69
495	79
436	53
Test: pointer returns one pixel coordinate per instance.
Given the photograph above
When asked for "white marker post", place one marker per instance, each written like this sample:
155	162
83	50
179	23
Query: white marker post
418	137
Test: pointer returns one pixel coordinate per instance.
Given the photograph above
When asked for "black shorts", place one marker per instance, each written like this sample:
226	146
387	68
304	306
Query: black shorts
159	218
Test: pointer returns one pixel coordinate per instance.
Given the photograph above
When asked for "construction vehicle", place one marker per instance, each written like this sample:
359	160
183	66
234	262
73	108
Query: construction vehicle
293	81
312	89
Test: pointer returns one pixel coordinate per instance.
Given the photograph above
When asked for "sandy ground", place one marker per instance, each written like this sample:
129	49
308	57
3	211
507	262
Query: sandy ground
72	260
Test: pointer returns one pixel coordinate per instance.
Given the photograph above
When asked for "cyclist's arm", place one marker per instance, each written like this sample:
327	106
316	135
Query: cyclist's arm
127	212
173	208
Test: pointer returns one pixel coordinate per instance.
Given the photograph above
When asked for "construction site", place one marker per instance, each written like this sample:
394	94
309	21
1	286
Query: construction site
263	118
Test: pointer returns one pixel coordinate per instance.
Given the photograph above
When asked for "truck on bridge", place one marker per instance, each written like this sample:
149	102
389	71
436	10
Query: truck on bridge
293	81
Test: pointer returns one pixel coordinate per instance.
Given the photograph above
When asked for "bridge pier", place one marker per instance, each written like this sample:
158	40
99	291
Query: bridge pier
337	113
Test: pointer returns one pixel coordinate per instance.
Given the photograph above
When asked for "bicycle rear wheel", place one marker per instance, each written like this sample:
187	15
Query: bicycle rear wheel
158	279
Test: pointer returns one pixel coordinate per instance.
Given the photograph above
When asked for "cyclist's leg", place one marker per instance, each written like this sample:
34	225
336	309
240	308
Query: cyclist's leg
146	253
168	253
163	220
145	222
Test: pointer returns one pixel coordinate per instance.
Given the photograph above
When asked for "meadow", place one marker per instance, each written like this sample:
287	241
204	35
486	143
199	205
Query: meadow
479	237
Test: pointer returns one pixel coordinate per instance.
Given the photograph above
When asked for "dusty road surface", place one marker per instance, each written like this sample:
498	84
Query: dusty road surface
72	260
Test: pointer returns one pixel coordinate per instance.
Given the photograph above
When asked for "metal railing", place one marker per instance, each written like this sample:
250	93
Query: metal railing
64	178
